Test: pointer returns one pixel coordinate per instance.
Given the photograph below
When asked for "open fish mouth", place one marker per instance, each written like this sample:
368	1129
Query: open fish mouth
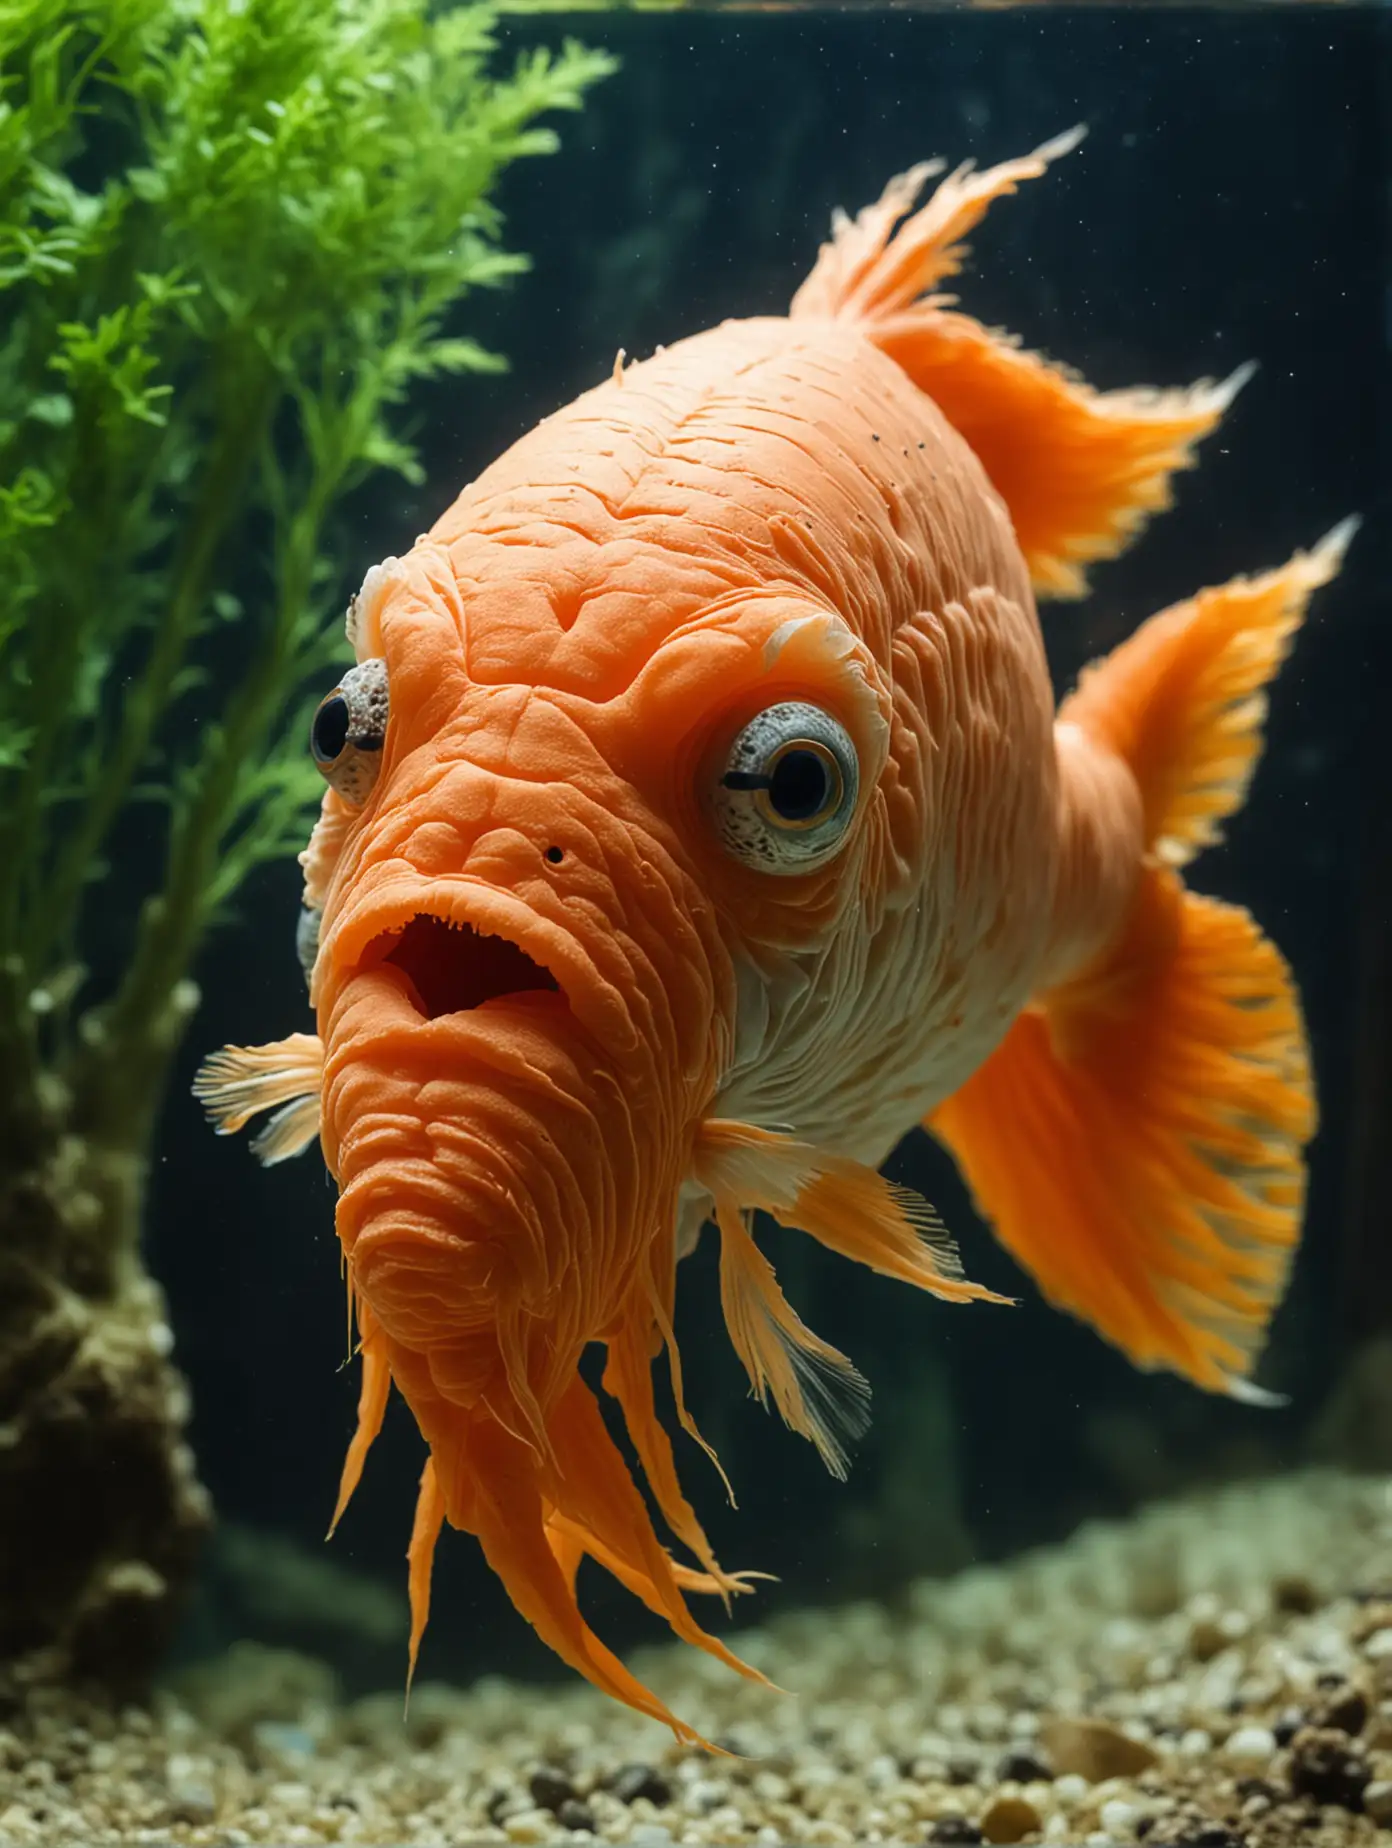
453	968
463	945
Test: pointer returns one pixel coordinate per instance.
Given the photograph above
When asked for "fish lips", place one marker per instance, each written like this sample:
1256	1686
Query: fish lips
461	946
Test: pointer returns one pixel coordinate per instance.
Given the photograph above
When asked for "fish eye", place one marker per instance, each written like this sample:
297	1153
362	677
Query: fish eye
329	733
307	938
789	789
349	729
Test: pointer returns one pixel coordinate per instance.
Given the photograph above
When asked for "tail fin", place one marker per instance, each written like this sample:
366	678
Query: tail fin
1079	470
1137	1139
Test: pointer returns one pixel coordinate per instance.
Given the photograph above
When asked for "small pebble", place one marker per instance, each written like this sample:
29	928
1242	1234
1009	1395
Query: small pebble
533	1825
634	1781
1095	1749
1119	1818
191	1801
1378	1646
550	1788
1022	1768
1293	1592
1328	1766
1206	1640
955	1829
1377	1802
1250	1748
1343	1707
1009	1819
1287	1726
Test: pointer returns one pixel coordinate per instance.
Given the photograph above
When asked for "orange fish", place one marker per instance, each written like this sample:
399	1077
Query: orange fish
699	821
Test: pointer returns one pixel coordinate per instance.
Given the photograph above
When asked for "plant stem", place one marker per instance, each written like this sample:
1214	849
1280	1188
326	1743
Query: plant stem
222	493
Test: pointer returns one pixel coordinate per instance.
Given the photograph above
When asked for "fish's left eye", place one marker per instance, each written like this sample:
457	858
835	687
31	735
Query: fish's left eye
349	729
789	789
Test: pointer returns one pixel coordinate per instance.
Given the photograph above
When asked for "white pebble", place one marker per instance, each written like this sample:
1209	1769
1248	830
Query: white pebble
1118	1818
1254	1746
1195	1743
707	1793
1071	1788
1377	1801
1378	1647
533	1825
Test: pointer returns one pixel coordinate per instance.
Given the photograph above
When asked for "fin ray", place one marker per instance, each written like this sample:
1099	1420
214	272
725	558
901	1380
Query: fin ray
420	1560
373	1394
628	1377
241	1082
816	1388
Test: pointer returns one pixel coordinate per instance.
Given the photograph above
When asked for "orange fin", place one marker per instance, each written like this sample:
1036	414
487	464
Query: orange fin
420	1560
847	1207
570	1542
818	1391
493	1477
372	1407
628	1378
597	1504
1183	701
841	1203
241	1082
1079	470
1137	1141
866	271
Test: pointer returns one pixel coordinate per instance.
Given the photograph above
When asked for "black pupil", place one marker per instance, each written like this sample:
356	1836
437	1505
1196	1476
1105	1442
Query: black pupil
329	733
800	785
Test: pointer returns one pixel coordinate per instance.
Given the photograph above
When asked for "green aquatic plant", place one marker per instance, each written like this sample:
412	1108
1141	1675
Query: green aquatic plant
232	234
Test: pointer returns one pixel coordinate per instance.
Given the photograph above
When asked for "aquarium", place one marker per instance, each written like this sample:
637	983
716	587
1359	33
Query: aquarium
516	446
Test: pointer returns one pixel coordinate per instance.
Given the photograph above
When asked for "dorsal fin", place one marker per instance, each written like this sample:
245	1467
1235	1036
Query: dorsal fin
1079	470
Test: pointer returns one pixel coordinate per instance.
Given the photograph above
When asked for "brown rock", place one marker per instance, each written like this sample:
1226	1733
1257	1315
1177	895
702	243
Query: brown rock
1344	1707
1206	1640
1328	1766
1094	1749
1010	1819
1294	1593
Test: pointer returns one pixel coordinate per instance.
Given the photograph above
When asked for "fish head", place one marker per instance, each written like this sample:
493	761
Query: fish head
525	976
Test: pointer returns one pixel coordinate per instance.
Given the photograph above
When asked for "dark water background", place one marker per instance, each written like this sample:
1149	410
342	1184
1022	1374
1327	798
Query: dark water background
1230	202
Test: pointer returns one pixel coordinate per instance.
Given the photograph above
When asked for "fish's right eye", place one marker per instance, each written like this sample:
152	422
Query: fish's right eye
788	793
349	729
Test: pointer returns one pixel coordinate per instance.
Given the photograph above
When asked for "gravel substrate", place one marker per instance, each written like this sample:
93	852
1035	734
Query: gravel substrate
1216	1673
